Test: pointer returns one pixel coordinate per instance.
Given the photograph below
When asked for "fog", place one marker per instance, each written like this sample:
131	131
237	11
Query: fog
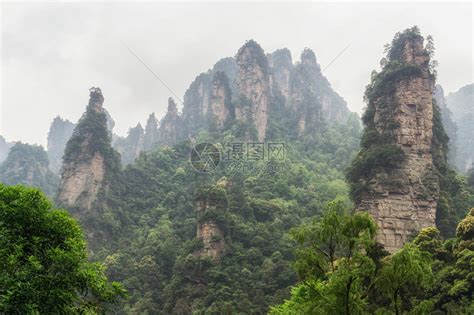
53	52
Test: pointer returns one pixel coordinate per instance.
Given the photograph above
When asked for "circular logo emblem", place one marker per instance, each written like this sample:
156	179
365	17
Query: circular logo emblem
204	157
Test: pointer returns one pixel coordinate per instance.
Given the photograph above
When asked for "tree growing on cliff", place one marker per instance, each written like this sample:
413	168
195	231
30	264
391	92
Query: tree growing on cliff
425	276
43	260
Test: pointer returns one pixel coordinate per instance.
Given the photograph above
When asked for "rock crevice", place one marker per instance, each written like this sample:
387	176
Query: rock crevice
403	198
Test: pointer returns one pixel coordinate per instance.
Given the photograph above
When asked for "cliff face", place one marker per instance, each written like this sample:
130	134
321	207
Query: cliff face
171	127
206	94
210	204
196	101
311	96
4	148
461	103
151	132
59	134
401	190
131	146
253	83
29	165
137	140
220	108
282	65
448	123
211	236
252	86
89	158
251	90
81	182
229	67
305	97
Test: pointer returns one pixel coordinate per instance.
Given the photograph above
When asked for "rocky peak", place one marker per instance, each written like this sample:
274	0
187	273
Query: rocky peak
59	133
308	58
96	99
151	122
251	55
260	86
448	122
253	82
151	132
461	103
306	93
172	108
229	67
171	128
4	148
394	176
203	91
282	65
139	128
312	97
414	52
220	99
28	165
131	146
110	122
89	161
196	102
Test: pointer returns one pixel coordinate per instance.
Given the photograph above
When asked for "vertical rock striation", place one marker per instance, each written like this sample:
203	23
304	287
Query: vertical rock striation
461	103
305	97
211	203
89	160
220	108
131	146
448	122
256	95
196	101
253	83
282	65
151	132
4	148
312	98
171	128
394	176
59	134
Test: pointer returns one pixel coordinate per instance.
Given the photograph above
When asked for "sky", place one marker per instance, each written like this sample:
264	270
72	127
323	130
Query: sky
53	52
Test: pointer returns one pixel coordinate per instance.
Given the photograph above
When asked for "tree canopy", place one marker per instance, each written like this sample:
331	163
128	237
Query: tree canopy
43	260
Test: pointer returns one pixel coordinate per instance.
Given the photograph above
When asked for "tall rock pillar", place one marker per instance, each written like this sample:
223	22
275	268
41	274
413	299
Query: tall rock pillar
89	158
253	81
394	177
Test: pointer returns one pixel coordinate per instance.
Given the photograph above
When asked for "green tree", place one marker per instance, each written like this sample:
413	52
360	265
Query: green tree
332	264
43	260
453	268
470	178
29	165
404	274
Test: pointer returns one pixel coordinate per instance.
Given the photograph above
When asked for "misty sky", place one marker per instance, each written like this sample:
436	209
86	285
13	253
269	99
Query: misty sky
53	52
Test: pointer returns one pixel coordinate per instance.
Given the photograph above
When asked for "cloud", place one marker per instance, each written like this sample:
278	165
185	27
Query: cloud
53	52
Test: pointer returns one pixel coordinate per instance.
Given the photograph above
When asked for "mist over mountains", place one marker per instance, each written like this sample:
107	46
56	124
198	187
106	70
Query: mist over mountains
247	179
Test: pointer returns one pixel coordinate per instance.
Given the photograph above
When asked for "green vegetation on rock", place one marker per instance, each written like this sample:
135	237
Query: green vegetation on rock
29	165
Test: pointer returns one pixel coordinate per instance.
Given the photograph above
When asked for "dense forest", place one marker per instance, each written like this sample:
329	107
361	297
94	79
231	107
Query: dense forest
253	200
